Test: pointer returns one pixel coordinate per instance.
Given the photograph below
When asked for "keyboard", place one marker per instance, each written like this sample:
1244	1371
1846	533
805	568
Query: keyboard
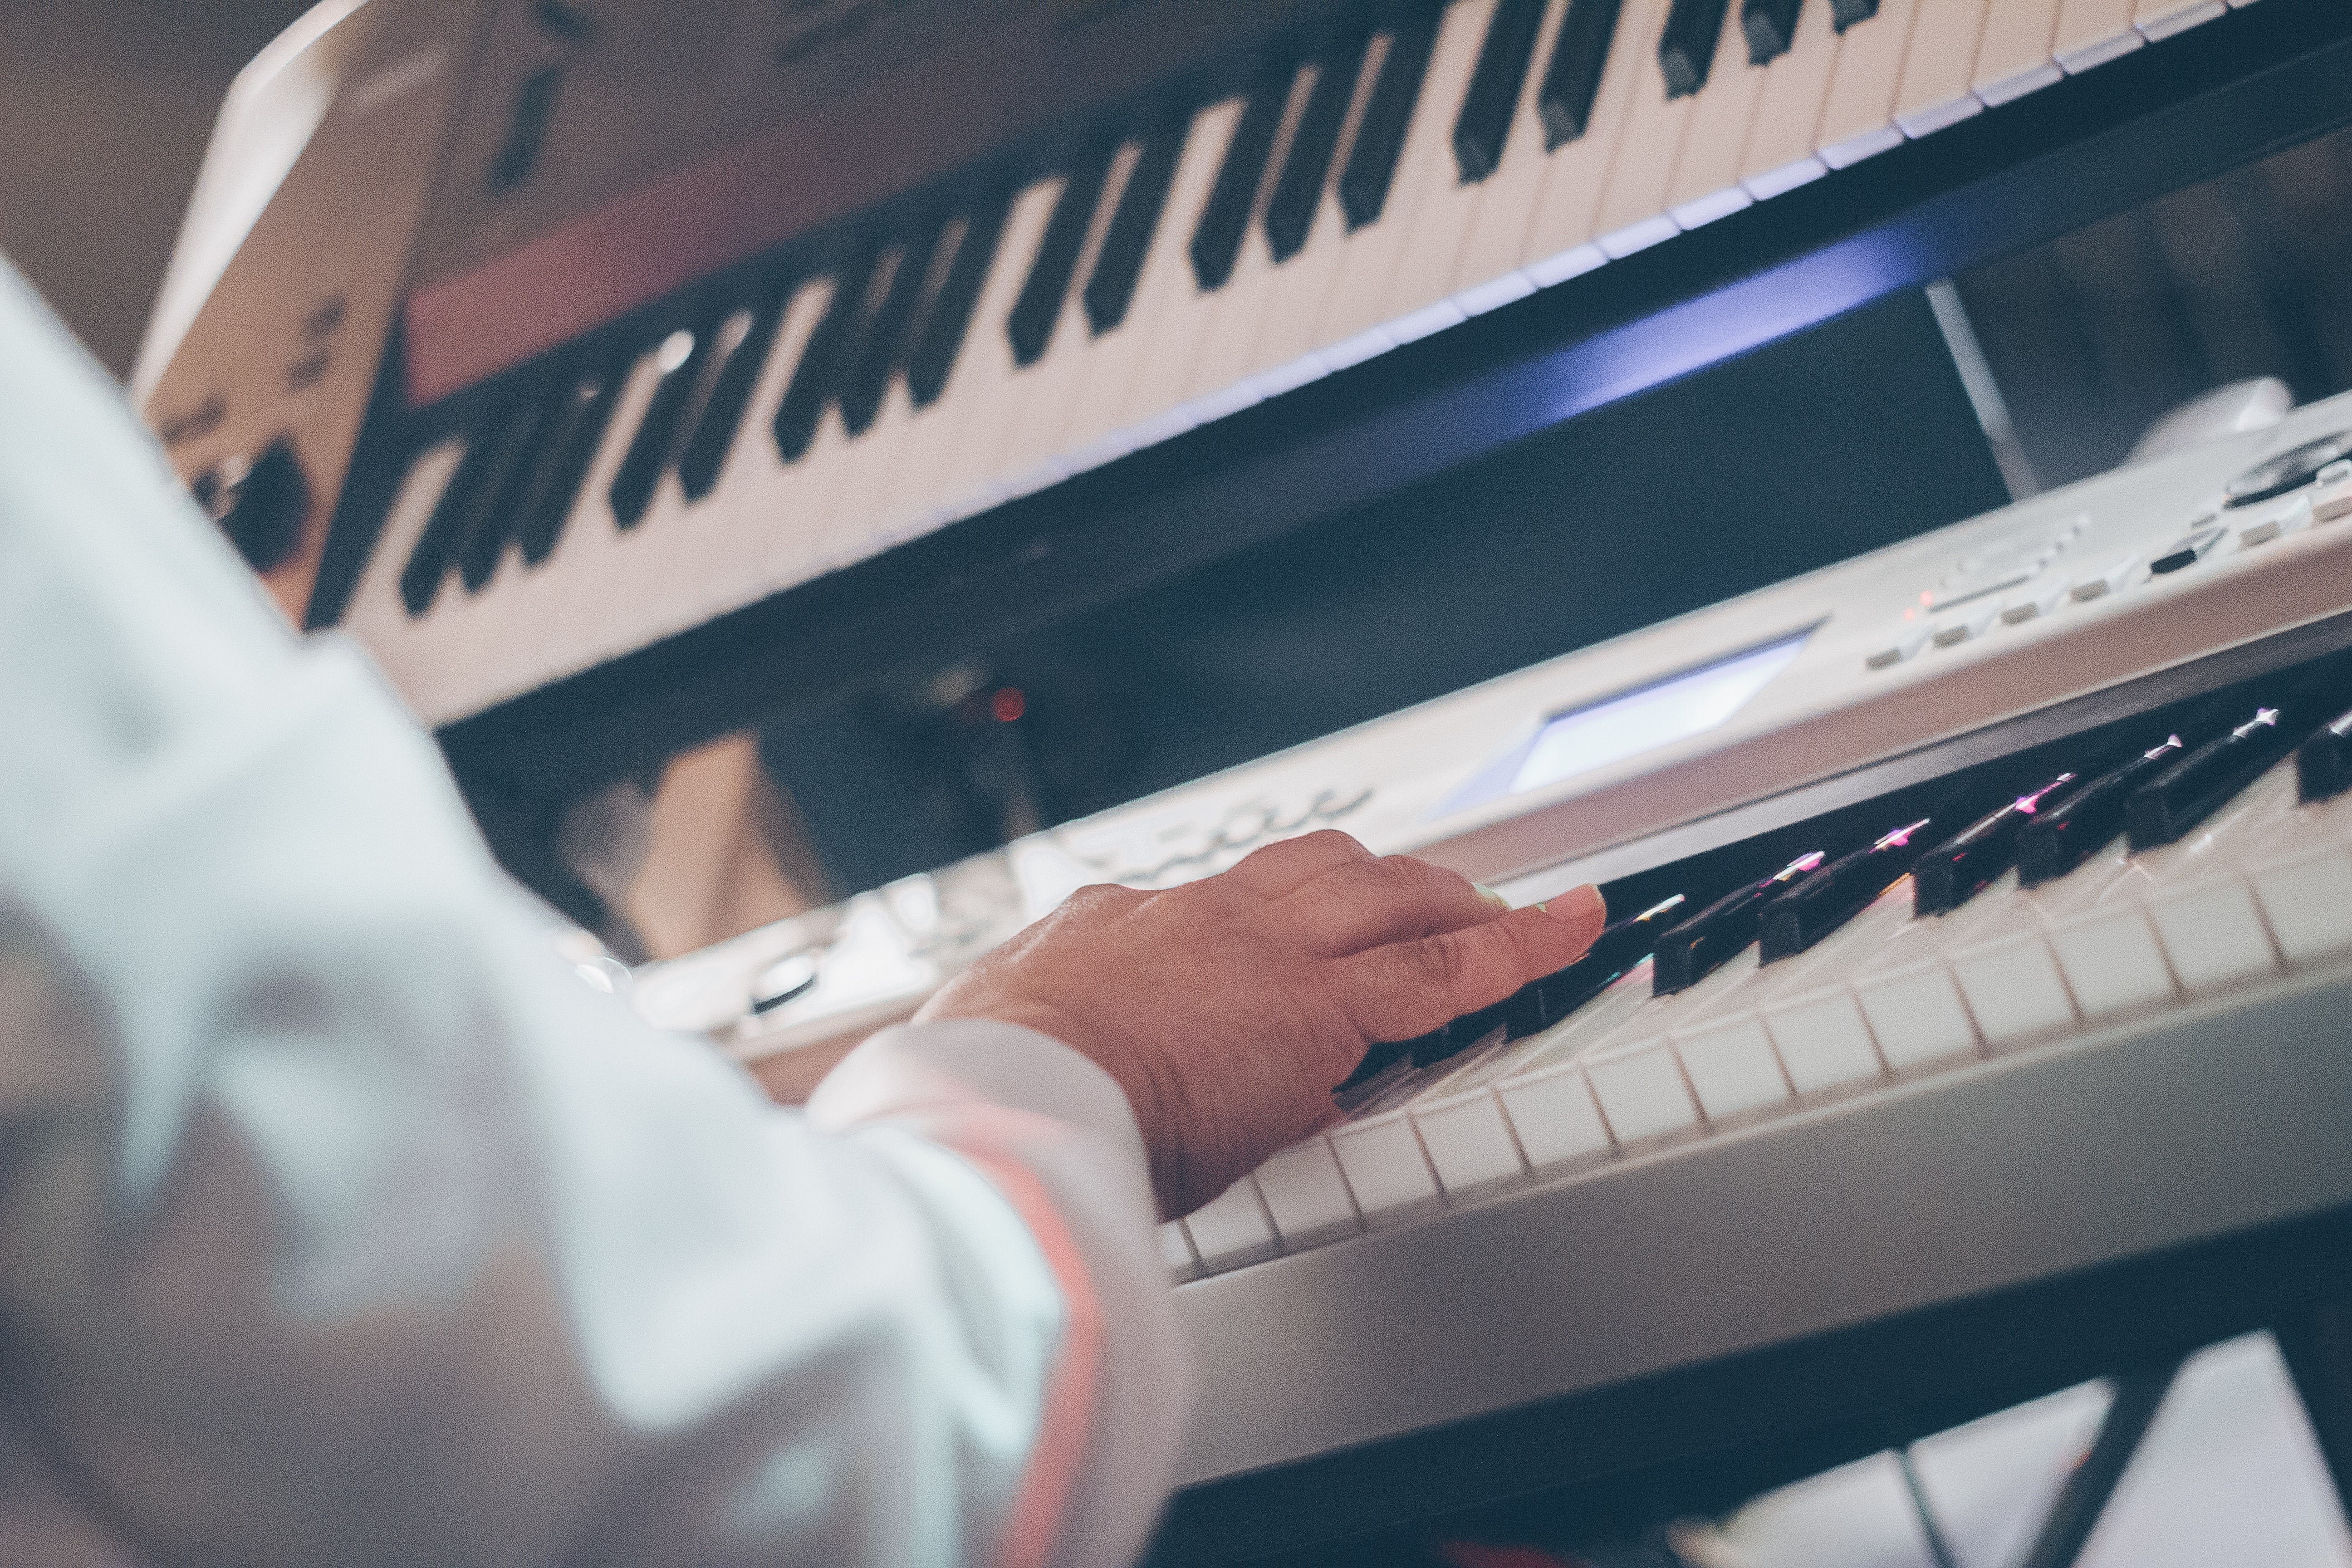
606	420
1987	916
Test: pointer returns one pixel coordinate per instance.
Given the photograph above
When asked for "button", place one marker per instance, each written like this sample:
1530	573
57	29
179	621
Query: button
1387	114
1953	872
1553	1112
1840	890
2307	901
1493	98
2099	585
1383	1165
2187	552
1904	646
1975	585
1306	1194
1693	950
2196	785
2063	836
2213	934
1469	1141
2289	470
1823	1042
1952	633
1571	79
1230	1229
2322	764
2041	600
2011	983
1915	1013
1732	1066
2111	960
1642	1093
2331	496
2292	518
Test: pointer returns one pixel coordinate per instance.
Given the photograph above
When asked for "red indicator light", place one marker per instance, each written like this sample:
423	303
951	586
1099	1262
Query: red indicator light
1008	704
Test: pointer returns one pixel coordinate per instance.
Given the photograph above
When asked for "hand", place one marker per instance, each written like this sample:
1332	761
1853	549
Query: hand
1227	1008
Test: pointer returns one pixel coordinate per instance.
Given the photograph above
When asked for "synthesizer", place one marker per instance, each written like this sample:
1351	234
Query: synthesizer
593	329
1985	913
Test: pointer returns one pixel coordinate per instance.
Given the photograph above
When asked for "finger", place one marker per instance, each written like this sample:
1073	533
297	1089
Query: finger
1373	902
1277	870
1408	988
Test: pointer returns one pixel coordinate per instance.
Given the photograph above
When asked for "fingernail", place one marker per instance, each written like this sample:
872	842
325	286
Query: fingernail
1577	906
1491	896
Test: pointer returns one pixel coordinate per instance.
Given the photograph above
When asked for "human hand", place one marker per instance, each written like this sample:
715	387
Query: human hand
1227	1008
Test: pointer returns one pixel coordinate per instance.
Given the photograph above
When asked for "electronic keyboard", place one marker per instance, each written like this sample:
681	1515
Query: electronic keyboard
1985	913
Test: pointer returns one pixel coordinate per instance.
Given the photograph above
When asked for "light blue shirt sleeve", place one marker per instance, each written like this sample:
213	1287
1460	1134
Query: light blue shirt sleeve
339	1222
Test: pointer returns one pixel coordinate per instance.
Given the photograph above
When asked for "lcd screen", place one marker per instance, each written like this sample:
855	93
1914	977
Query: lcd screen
1627	725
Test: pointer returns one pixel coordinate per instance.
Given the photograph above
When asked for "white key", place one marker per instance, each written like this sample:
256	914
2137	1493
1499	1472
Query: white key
2111	960
1940	66
1287	334
1559	241
2162	18
1858	117
2011	981
1730	1065
1705	183
2092	32
1643	1094
2307	899
1444	217
1306	1193
1496	240
1383	1163
1176	1250
1824	1043
1779	152
992	385
1228	350
1232	1228
2015	56
1553	1112
1468	1142
1060	373
1633	211
1185	313
1916	1012
2213	934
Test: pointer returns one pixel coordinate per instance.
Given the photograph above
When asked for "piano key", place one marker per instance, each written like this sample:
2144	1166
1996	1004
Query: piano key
1940	66
1633	202
1686	47
1483	125
1176	1250
1695	948
1434	210
1307	166
1554	1116
777	488
1038	308
1571	79
1390	113
1487	270
2015	56
1780	153
2322	764
2011	983
1306	1195
1283	354
569	446
1915	1010
2212	934
2062	837
878	353
1110	286
1643	1094
2198	783
1706	183
2307	901
1469	1141
505	491
939	341
1770	27
453	514
1838	891
818	374
1226	353
1558	236
1858	117
1225	220
705	452
2111	960
1385	1168
1172	331
2092	32
1615	951
1846	13
678	361
1232	1228
1731	1068
985	383
1951	873
1823	1041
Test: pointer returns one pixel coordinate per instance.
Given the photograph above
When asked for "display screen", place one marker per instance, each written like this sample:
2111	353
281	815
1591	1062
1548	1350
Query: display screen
1634	722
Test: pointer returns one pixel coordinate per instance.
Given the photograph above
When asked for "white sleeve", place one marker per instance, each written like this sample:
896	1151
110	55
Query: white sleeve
339	1222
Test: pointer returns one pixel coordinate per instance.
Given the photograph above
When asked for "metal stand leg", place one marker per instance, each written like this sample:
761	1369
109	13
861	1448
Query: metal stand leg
2317	1344
2085	1495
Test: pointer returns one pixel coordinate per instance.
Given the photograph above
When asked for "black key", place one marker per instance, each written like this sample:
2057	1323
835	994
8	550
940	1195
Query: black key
1545	1002
567	449
2199	783
1966	864
1687	48
939	340
1442	1044
1844	14
1485	122
680	360
2322	767
2187	552
1388	115
263	506
1837	892
1770	26
497	512
885	331
1298	189
2063	836
820	369
1702	943
1225	217
704	454
1039	307
1379	1060
445	530
1572	81
1128	242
